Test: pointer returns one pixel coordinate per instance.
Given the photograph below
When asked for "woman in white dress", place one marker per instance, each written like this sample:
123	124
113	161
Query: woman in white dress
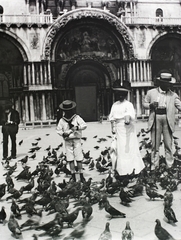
122	116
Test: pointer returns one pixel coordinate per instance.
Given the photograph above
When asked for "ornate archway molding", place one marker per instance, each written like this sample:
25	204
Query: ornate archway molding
83	13
76	60
21	46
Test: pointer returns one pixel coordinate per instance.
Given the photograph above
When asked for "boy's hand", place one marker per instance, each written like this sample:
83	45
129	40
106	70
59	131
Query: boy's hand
66	134
74	128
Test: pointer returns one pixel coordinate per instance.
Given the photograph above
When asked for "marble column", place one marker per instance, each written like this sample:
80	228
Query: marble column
32	114
43	107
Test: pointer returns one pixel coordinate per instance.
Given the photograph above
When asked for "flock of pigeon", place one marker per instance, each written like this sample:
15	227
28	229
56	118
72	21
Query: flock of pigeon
48	191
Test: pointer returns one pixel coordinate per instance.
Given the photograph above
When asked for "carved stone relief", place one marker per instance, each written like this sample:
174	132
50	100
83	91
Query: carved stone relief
93	14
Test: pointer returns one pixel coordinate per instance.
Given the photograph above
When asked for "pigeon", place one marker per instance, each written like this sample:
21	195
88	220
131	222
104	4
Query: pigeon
106	234
20	142
23	160
170	214
113	211
2	215
13	226
152	194
35	237
124	196
77	233
33	156
71	217
57	220
2	190
29	186
33	221
38	139
16	194
86	209
15	209
162	233
127	233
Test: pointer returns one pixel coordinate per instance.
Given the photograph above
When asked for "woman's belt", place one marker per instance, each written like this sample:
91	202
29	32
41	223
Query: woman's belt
161	111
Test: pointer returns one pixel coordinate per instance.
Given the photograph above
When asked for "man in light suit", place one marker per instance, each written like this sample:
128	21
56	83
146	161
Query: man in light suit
162	103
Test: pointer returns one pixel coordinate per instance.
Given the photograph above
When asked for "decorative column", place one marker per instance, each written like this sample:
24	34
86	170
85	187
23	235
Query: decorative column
141	70
49	74
32	114
144	71
138	107
43	107
29	74
26	109
134	72
41	80
33	74
130	73
25	74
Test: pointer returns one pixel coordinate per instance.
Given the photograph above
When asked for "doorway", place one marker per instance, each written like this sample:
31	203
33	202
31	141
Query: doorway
86	102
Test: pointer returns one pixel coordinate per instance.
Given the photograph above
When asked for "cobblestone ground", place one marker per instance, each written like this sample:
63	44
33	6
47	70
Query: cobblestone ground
141	213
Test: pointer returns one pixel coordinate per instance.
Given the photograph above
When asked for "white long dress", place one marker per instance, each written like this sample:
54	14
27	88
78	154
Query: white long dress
128	156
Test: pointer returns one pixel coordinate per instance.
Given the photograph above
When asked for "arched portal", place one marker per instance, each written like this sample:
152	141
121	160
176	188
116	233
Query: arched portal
12	57
88	48
166	54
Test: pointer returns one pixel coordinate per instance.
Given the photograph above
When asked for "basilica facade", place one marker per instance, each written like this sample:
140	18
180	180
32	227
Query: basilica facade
53	50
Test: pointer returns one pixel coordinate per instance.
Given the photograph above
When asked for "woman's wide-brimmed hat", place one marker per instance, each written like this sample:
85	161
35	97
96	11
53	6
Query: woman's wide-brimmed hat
67	105
124	86
166	78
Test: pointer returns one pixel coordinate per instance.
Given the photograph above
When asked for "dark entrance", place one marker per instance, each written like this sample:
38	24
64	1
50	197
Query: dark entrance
86	102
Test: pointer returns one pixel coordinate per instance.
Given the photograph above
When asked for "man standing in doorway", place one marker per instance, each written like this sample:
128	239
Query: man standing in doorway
162	103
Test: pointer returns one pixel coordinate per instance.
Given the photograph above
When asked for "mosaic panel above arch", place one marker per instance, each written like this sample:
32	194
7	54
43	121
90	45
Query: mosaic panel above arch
90	41
112	21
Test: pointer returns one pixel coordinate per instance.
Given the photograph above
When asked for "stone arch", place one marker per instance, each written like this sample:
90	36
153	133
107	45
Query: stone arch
18	43
165	53
85	13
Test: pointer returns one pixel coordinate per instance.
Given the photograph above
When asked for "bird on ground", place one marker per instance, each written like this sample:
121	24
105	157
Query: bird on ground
168	196
71	217
86	209
38	139
13	226
113	211
86	154
33	221
170	214
25	174
34	144
15	209
16	194
20	142
57	220
162	233
106	234
3	215
91	164
53	231
124	196
152	194
2	190
77	233
29	186
127	233
35	237
136	190
23	160
33	156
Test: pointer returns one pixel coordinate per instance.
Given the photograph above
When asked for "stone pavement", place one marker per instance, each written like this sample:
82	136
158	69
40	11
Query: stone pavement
142	212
